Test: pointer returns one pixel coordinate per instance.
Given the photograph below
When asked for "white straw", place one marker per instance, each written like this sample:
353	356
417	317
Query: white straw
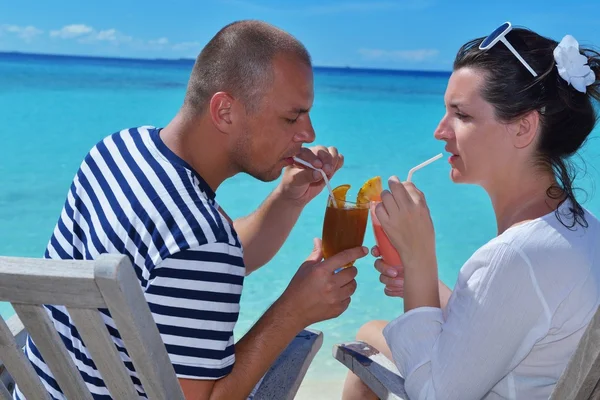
423	164
309	165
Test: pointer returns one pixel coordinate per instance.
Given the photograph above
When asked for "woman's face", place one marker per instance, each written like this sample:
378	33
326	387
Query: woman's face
482	148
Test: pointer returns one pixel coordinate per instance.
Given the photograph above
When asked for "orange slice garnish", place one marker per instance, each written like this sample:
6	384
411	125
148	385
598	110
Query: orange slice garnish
340	195
370	191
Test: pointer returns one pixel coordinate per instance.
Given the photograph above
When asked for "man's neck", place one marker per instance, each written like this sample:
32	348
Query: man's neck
204	148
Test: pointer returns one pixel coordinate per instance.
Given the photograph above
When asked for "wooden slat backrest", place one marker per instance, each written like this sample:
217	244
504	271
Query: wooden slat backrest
373	368
42	331
4	393
41	281
98	342
20	368
84	286
582	374
137	328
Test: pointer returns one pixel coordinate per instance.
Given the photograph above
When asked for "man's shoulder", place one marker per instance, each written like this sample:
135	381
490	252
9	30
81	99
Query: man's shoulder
119	144
133	133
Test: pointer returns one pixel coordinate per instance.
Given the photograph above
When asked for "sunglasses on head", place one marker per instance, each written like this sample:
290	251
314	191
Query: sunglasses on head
499	35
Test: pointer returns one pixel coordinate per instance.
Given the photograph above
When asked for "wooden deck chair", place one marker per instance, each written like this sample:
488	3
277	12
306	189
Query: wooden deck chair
108	282
579	381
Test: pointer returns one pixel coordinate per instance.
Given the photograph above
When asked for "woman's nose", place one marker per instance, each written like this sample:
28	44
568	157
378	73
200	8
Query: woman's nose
444	130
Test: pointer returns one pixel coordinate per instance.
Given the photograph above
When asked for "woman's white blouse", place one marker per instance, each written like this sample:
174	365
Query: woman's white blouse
515	317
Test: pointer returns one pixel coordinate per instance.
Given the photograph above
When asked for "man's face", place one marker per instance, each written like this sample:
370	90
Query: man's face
274	133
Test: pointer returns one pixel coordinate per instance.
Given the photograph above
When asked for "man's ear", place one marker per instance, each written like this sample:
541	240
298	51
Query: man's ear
526	129
221	111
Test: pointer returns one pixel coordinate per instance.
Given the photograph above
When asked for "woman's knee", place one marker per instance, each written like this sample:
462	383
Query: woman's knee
371	330
372	334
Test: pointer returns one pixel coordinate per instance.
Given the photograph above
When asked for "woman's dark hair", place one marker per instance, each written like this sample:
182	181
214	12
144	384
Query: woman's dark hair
567	116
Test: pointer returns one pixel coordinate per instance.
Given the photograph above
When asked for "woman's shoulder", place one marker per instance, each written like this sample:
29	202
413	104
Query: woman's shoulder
557	257
555	234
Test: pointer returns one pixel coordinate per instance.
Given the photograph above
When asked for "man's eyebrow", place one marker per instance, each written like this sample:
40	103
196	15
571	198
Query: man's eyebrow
298	110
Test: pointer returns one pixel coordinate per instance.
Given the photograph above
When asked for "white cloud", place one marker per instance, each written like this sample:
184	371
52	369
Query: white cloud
72	31
108	35
26	33
163	41
111	35
399	55
87	34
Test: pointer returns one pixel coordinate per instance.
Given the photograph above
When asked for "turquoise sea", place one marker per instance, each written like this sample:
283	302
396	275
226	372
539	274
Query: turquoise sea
53	109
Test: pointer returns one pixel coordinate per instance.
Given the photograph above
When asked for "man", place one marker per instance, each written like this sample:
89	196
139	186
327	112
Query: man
150	194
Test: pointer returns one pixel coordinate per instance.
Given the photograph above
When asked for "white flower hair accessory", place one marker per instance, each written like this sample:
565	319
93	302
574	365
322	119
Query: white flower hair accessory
572	65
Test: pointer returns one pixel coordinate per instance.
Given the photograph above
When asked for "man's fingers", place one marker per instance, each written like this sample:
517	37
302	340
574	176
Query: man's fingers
348	289
345	276
317	254
344	257
310	157
332	164
338	158
326	158
307	176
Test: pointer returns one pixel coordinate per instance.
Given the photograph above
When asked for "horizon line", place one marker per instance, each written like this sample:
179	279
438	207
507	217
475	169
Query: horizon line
184	59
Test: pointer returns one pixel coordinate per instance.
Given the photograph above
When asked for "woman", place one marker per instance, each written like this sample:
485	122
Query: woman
523	300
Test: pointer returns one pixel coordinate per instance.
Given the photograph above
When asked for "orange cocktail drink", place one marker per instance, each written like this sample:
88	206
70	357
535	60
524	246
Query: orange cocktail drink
344	226
346	221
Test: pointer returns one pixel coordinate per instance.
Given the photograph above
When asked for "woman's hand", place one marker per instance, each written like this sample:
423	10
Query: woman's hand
406	220
391	276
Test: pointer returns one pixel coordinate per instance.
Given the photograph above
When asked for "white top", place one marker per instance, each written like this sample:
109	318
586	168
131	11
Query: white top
515	317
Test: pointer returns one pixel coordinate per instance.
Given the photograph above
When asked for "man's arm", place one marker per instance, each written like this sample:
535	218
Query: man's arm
315	294
263	232
255	353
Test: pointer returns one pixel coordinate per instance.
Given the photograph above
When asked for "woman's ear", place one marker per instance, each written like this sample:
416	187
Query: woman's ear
526	129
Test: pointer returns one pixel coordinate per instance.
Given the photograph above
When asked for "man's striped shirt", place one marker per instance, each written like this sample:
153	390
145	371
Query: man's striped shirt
134	196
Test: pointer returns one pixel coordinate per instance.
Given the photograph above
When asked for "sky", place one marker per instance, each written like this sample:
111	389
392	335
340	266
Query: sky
401	34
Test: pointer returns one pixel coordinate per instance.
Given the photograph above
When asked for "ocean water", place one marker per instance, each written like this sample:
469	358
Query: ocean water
54	109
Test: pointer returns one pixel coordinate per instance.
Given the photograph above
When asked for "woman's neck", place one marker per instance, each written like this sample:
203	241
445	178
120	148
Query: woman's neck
522	199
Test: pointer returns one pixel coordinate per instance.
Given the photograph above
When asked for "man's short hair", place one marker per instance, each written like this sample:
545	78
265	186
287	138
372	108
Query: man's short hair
238	60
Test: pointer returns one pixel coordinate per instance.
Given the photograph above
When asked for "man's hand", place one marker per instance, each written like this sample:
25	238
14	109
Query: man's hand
301	184
317	293
264	231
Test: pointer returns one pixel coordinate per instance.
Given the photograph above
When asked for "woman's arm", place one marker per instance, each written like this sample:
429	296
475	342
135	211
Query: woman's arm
496	316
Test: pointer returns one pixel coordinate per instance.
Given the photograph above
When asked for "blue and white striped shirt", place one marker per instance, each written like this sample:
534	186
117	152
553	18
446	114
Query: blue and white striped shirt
133	196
